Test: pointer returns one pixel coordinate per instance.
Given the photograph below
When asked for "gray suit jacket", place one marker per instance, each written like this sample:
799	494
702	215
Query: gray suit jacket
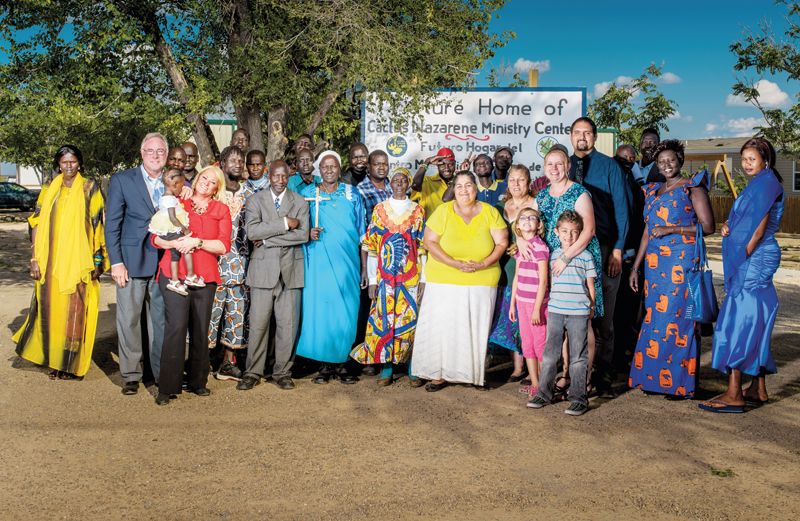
281	252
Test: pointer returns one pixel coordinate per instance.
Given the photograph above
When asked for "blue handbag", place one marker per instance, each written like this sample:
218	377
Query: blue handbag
701	305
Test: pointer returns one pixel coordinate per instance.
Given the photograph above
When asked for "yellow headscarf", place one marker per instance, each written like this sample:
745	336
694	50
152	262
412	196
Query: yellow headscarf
74	263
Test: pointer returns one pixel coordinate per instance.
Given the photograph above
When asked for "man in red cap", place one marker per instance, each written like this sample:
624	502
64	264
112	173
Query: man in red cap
429	190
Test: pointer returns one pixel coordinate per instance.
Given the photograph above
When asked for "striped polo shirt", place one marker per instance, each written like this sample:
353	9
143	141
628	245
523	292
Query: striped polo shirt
568	292
528	271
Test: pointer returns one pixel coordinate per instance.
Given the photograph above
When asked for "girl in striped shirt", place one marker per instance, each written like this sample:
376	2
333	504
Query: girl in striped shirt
529	291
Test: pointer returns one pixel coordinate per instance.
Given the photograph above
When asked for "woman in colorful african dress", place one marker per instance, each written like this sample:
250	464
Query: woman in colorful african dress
395	265
68	256
667	353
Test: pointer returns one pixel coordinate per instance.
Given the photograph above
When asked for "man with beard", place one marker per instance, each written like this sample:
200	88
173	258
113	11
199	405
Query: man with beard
230	301
277	219
430	191
645	171
503	157
357	165
305	175
374	189
190	166
627	310
604	180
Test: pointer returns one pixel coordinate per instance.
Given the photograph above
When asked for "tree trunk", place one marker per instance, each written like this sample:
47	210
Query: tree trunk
248	117
327	101
200	129
240	40
276	134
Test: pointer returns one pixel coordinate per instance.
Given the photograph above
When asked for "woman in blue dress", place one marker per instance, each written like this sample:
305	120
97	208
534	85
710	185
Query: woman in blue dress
561	195
667	354
750	258
332	272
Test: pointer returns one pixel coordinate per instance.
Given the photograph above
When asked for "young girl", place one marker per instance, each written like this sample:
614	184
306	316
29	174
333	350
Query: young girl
529	292
170	223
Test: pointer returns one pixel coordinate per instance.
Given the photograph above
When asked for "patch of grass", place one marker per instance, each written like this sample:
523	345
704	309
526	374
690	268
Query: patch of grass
721	473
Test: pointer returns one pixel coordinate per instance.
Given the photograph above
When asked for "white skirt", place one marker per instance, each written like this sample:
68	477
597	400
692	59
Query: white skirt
452	333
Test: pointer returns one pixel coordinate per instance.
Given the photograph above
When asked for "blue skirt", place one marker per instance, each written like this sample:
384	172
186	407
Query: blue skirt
743	333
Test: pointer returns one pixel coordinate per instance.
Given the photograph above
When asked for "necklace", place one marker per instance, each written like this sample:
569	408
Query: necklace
199	208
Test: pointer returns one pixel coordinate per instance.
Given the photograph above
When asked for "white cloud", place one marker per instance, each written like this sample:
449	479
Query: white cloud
743	127
602	87
523	66
670	77
711	127
770	96
677	116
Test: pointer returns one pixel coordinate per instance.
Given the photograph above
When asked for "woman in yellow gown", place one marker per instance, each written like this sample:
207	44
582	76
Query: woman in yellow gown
68	255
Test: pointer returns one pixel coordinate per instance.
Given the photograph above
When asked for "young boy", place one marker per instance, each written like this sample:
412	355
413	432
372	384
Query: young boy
570	308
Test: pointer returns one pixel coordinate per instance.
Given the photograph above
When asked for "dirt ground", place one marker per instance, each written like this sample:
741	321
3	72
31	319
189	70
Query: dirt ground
82	450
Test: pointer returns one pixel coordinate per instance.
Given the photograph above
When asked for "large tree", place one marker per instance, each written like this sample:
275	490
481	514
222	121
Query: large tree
633	106
765	53
282	67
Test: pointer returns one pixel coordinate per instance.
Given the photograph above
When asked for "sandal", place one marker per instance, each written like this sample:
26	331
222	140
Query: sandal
52	374
416	382
63	375
433	387
195	281
560	391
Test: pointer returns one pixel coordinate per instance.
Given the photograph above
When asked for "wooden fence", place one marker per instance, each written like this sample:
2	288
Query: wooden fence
721	204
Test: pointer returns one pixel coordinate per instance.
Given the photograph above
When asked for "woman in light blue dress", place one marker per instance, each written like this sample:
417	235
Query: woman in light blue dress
750	258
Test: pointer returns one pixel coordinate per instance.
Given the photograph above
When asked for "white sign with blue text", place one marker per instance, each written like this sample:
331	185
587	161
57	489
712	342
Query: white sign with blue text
479	121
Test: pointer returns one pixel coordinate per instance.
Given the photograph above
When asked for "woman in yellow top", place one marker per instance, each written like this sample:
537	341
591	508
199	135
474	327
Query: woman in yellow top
68	256
465	239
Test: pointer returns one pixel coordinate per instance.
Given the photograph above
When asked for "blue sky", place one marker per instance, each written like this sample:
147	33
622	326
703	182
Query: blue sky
586	43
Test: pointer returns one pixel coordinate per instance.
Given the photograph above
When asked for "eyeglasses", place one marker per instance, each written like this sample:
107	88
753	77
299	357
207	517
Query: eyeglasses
155	151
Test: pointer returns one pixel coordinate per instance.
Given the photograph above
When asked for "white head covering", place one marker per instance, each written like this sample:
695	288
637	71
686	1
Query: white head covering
325	154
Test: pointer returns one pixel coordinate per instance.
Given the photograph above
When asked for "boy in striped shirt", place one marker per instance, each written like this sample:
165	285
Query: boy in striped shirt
570	308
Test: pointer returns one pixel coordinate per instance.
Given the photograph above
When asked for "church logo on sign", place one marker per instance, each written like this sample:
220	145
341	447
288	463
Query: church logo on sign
396	146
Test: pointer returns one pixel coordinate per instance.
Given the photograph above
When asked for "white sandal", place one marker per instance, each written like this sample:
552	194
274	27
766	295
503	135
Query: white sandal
195	281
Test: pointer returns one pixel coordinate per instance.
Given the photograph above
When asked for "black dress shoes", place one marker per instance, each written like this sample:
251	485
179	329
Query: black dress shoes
248	382
286	383
162	399
203	391
130	388
347	379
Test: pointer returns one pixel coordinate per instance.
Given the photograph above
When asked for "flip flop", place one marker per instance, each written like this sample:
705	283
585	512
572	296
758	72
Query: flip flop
754	402
726	408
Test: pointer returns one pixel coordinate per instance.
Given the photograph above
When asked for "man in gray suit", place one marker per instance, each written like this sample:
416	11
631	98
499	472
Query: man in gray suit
277	222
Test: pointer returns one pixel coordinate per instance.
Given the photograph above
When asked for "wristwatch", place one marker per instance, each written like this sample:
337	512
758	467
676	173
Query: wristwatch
199	244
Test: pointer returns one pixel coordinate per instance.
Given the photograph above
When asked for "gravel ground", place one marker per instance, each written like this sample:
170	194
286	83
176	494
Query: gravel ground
81	450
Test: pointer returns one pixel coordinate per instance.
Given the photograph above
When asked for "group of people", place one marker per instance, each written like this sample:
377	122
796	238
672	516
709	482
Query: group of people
373	270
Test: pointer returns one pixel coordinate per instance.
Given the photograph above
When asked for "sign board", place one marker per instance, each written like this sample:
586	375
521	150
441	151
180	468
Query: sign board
527	120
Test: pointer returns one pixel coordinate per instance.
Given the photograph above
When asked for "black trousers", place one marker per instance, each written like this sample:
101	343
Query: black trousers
182	313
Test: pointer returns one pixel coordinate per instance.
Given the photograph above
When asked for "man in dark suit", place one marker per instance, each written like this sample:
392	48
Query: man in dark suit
133	197
277	222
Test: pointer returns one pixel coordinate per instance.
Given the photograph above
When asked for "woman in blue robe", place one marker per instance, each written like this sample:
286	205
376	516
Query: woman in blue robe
332	272
750	258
